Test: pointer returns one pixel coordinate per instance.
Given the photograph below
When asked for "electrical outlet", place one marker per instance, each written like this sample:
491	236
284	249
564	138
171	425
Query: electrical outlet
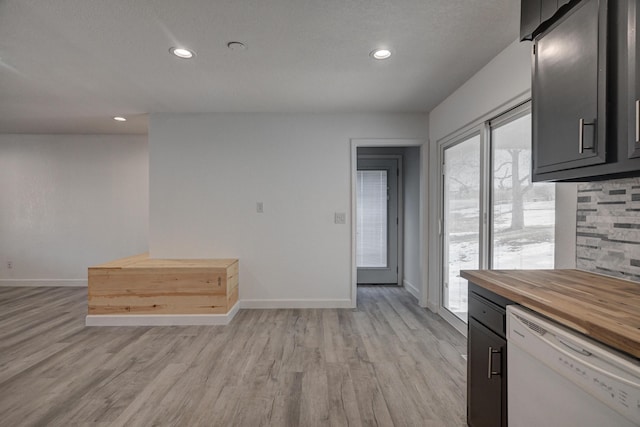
259	207
340	218
9	265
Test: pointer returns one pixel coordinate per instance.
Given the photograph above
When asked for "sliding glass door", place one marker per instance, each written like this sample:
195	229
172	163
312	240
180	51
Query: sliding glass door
493	216
461	220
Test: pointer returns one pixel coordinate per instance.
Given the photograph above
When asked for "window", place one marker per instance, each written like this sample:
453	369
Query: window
523	212
372	218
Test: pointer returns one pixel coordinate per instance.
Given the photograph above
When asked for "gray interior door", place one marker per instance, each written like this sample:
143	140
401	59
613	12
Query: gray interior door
377	221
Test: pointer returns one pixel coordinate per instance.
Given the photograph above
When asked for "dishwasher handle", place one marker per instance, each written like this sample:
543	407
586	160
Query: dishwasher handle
573	346
490	371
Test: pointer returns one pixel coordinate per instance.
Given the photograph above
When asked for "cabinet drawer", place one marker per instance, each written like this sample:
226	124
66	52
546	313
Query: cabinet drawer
488	314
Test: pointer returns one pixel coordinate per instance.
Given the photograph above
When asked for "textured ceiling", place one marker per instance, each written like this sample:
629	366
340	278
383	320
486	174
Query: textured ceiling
68	66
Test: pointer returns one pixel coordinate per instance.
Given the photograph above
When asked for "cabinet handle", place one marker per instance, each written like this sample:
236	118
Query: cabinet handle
581	125
637	120
580	135
490	371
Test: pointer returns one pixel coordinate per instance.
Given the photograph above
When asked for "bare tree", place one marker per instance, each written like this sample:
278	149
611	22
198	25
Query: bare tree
518	190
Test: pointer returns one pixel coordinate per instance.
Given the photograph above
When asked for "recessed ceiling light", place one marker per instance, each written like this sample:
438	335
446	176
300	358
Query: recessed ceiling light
119	119
380	54
183	53
236	46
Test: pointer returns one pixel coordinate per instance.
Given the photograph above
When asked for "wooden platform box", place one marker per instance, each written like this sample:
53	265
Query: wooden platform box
140	285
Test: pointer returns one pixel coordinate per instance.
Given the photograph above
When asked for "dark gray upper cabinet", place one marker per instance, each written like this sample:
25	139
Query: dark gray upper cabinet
529	18
586	66
630	88
569	91
547	9
536	15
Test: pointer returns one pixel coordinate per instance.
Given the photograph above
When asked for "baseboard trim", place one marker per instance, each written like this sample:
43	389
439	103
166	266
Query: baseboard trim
295	303
454	321
73	283
411	289
162	319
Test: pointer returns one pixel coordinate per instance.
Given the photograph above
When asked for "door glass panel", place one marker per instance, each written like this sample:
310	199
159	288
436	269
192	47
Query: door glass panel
461	221
523	212
371	250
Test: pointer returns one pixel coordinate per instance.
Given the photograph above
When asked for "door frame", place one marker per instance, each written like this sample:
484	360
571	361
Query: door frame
399	209
424	165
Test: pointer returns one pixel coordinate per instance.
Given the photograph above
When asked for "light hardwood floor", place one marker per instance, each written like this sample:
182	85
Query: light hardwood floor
387	363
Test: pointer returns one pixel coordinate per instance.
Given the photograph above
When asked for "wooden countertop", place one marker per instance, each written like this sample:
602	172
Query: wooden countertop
604	308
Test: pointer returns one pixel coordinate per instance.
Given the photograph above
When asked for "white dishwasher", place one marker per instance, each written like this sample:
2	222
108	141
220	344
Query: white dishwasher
559	378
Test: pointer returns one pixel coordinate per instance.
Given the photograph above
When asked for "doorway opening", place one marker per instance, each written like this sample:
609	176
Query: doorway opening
388	237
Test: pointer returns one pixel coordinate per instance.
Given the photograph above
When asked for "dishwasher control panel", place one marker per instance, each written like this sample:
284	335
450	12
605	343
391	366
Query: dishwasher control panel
609	390
607	375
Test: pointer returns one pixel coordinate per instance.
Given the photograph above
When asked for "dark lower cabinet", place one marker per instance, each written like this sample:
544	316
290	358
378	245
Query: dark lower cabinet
487	377
487	359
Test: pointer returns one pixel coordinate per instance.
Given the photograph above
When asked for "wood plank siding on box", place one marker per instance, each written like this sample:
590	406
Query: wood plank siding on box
141	285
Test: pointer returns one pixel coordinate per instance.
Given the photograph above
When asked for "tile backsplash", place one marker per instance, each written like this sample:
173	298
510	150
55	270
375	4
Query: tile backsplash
608	228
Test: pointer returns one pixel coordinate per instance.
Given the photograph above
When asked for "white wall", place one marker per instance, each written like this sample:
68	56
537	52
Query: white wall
207	171
505	77
491	90
69	202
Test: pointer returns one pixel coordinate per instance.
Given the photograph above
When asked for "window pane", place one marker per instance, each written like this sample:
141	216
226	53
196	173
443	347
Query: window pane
371	250
523	212
461	221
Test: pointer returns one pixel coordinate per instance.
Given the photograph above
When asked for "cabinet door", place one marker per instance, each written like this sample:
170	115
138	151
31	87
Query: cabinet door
633	103
486	377
569	91
529	18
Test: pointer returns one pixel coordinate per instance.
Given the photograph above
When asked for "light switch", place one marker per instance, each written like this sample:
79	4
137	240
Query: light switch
340	218
259	207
